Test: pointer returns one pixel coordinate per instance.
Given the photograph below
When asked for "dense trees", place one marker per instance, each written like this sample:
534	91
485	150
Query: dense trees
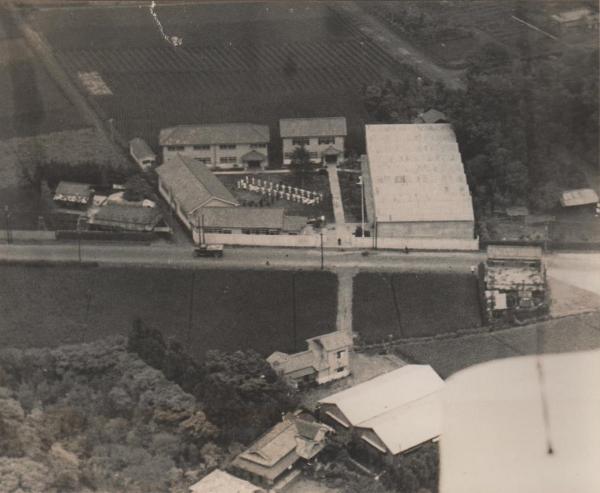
526	128
93	416
238	391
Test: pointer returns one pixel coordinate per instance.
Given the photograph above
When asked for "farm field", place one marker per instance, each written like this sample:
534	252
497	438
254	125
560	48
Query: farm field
447	356
238	62
414	305
230	310
31	103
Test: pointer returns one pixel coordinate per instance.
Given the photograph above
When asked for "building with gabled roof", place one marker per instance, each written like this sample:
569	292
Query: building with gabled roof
392	413
431	116
188	186
219	145
117	217
222	482
327	358
323	138
273	455
417	186
142	154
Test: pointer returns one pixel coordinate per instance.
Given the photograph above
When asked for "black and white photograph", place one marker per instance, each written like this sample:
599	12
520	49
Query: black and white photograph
292	246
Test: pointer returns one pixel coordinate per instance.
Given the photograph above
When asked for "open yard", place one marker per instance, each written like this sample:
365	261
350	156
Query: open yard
414	304
204	309
447	356
314	182
238	62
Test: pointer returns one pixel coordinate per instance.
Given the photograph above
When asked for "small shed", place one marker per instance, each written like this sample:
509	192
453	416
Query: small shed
142	154
431	116
71	193
578	197
118	217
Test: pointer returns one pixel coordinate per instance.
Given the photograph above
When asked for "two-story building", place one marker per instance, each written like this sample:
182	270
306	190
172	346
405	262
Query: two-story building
218	146
323	138
327	358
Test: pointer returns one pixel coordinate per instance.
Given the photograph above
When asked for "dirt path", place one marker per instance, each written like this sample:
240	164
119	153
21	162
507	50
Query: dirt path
345	289
399	48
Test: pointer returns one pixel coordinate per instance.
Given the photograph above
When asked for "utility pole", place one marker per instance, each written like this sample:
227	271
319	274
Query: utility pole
362	205
322	257
294	308
7	217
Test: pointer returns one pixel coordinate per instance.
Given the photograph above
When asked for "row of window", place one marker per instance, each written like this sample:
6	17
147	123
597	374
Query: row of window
221	146
290	155
305	142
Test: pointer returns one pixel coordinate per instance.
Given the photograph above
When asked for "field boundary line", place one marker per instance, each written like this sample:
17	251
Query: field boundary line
44	52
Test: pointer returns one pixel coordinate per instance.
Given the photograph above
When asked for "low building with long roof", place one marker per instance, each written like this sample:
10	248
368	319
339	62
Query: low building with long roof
188	186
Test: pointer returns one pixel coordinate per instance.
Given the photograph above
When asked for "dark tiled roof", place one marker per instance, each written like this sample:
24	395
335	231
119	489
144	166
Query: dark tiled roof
241	217
312	127
220	133
192	183
132	218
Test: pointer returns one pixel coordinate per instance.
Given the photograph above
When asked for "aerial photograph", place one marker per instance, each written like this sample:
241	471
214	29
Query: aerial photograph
337	246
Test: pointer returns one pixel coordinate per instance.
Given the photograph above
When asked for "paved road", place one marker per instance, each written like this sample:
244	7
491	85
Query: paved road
398	47
306	259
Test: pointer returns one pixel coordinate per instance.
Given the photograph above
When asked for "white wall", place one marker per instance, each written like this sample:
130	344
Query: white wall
417	243
313	146
306	241
214	153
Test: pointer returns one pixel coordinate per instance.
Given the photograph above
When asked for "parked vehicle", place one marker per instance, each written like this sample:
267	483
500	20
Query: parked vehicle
208	251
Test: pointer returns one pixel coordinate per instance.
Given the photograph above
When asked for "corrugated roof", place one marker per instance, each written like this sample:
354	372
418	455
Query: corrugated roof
417	173
126	217
219	133
495	433
192	183
407	426
580	196
333	340
222	482
508	252
312	127
241	217
384	393
140	149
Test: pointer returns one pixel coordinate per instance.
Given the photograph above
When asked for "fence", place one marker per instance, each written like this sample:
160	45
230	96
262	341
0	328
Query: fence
416	243
26	235
306	241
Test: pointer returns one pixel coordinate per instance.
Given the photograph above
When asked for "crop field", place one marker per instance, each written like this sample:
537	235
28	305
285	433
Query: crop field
414	305
203	309
447	356
238	62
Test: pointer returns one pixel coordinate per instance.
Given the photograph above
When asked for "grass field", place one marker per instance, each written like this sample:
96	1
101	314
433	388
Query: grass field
230	310
414	304
238	62
447	356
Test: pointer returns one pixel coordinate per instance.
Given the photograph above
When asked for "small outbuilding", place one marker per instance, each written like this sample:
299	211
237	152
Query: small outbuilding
115	217
431	116
142	154
69	193
581	197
